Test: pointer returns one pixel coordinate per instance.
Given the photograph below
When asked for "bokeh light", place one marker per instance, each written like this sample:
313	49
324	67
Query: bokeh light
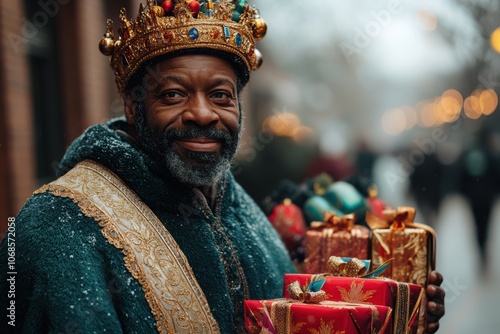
488	101
450	104
495	40
472	108
442	109
455	94
284	124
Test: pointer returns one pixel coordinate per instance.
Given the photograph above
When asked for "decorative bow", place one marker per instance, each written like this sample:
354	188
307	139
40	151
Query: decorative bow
394	219
353	267
331	220
311	294
399	220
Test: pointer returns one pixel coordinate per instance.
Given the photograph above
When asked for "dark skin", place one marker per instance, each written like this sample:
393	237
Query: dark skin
190	90
194	89
202	90
435	305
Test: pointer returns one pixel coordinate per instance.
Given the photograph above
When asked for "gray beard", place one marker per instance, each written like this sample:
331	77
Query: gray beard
209	169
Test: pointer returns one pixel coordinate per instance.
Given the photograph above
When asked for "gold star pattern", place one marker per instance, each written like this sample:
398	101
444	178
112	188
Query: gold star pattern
356	293
325	328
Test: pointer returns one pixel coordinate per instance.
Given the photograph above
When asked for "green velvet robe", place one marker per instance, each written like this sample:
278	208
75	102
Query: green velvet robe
71	280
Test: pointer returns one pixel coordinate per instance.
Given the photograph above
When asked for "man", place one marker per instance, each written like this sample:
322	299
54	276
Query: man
146	230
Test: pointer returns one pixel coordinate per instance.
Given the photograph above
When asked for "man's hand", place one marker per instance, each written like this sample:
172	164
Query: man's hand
435	303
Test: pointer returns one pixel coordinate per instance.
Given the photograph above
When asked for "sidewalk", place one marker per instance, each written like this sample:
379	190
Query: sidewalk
472	302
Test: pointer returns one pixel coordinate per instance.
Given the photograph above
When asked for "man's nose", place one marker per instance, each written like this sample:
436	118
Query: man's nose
200	111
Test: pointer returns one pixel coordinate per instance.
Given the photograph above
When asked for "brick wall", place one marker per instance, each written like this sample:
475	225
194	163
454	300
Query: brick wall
96	104
87	96
85	73
17	127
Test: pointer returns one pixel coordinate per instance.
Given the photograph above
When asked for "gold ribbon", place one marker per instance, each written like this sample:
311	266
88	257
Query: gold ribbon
394	219
280	316
331	220
297	293
352	268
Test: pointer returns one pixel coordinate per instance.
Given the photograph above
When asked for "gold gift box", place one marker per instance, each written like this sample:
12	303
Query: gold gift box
410	245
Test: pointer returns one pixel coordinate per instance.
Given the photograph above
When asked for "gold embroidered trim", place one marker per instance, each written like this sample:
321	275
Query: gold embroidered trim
183	311
281	315
401	319
116	238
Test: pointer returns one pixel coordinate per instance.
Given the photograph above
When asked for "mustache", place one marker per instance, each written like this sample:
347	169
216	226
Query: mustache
194	132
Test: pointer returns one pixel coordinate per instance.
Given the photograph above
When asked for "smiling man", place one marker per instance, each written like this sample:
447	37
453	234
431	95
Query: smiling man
193	119
146	229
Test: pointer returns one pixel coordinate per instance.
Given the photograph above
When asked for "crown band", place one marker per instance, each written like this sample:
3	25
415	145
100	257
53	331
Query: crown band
156	32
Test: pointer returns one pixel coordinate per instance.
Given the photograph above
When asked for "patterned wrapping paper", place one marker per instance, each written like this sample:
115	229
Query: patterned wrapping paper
409	251
404	298
412	247
291	317
335	236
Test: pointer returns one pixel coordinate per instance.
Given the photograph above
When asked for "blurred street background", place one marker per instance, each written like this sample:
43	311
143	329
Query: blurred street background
409	85
402	93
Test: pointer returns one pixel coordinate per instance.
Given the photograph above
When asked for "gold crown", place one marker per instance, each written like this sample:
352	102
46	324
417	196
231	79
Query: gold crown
225	25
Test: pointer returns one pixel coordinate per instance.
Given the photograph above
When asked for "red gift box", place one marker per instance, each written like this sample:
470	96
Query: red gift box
403	298
292	317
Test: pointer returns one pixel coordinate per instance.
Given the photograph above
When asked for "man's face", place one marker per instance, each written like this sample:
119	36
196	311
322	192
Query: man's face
190	118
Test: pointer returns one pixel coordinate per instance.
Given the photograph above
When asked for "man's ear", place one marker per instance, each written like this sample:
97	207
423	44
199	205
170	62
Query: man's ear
130	108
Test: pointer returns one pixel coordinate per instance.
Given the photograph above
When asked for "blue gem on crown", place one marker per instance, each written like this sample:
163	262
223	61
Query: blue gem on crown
238	40
193	33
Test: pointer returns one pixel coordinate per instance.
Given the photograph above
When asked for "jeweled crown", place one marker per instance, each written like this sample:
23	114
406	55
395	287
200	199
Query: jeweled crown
225	25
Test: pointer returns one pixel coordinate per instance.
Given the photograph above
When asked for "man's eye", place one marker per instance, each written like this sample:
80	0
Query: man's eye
221	95
171	94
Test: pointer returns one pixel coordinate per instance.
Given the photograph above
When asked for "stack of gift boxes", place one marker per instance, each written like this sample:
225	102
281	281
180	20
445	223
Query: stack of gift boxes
354	278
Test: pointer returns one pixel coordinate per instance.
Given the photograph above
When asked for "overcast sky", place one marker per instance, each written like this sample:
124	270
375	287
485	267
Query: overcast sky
368	56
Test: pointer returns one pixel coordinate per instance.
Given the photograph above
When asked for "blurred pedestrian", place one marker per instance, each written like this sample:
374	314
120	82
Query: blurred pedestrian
426	187
480	184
